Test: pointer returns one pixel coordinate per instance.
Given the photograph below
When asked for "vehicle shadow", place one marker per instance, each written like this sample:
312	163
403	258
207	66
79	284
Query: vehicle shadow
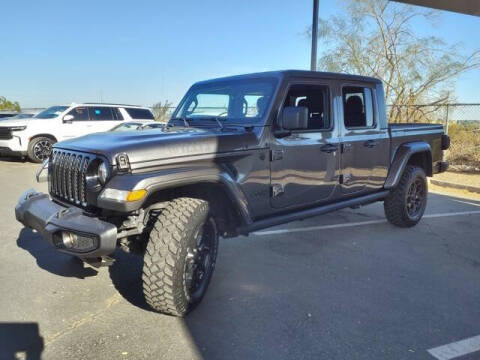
14	159
126	276
20	341
50	259
322	294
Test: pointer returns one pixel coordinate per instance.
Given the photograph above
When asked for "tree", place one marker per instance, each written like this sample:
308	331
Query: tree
8	105
161	111
377	38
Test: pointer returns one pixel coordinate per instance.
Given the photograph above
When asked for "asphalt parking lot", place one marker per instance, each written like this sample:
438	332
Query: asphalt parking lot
346	285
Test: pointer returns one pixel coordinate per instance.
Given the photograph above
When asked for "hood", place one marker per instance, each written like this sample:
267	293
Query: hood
16	122
151	145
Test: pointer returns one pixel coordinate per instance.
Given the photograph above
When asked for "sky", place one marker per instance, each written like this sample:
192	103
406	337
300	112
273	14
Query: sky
142	52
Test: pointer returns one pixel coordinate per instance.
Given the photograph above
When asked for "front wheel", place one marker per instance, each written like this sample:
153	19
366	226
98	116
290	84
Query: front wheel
405	205
40	148
180	256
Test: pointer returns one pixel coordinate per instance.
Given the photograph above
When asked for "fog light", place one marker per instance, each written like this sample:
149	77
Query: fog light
69	239
75	242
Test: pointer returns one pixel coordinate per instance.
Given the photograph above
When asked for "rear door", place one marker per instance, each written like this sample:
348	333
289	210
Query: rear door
304	165
102	118
365	144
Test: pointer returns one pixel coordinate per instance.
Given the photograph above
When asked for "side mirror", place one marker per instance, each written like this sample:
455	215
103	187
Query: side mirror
294	118
68	119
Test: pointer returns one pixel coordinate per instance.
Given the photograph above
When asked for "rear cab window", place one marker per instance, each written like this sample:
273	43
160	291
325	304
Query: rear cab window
139	113
358	107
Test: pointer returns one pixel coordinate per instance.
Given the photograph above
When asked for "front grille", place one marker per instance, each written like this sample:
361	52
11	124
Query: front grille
68	176
5	133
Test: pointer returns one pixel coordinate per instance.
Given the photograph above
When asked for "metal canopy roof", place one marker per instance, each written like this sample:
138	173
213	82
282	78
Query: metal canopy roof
470	7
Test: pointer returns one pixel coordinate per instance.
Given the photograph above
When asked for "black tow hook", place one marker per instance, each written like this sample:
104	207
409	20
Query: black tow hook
99	261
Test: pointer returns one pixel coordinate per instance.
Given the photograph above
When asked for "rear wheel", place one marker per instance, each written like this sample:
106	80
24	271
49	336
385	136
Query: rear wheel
40	148
405	205
180	256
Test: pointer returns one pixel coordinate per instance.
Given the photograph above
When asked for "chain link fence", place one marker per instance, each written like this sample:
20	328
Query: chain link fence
446	114
461	122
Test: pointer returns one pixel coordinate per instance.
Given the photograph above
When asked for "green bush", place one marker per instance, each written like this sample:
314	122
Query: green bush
465	145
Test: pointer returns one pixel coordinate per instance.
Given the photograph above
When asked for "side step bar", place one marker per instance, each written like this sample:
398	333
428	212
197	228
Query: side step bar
303	214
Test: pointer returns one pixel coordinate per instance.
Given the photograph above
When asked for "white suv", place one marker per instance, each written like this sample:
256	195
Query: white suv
34	137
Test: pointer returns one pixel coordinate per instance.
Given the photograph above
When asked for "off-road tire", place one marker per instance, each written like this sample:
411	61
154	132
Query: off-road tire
171	237
395	205
35	142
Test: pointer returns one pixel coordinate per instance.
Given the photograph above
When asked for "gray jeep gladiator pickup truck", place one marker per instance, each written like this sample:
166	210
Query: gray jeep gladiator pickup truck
239	154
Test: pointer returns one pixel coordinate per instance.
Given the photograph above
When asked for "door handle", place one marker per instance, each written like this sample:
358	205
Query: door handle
370	143
329	148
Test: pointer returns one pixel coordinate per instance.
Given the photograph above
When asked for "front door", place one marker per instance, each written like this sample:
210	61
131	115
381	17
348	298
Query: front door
305	164
365	145
77	126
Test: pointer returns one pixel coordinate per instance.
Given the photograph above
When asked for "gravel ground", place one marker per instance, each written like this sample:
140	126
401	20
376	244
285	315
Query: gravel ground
471	179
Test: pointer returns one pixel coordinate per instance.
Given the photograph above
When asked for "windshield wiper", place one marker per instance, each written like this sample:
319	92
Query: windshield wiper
182	118
217	119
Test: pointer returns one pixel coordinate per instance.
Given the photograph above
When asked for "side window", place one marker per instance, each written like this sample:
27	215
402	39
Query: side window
117	114
79	114
139	113
100	113
316	99
357	107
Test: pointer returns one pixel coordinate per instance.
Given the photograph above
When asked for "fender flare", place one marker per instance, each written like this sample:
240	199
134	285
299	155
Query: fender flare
400	160
164	180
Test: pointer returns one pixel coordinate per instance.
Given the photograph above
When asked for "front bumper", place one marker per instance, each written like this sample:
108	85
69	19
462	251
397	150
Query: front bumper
12	146
36	211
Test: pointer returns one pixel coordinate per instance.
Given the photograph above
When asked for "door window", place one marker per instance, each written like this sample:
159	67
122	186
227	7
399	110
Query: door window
315	99
140	113
117	114
100	113
357	107
79	114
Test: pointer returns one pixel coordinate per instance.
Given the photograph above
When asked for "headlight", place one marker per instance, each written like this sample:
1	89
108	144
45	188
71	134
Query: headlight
97	175
102	173
17	128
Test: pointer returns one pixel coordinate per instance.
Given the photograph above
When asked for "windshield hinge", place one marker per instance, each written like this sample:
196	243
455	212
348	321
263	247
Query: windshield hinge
276	155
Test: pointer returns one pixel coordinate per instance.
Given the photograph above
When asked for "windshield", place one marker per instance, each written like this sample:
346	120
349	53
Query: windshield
242	101
51	112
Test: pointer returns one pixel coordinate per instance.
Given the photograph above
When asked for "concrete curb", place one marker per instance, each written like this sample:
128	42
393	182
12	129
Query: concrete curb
447	184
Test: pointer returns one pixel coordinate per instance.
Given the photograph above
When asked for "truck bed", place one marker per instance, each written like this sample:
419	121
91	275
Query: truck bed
415	127
403	133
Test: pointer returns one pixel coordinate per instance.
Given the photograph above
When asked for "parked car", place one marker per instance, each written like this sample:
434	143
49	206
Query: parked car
153	125
21	116
132	125
7	113
34	137
240	154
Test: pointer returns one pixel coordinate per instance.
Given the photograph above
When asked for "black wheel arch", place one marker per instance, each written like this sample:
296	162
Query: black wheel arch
418	153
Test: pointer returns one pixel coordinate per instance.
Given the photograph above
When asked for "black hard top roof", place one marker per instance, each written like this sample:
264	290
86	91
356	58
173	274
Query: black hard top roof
297	73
